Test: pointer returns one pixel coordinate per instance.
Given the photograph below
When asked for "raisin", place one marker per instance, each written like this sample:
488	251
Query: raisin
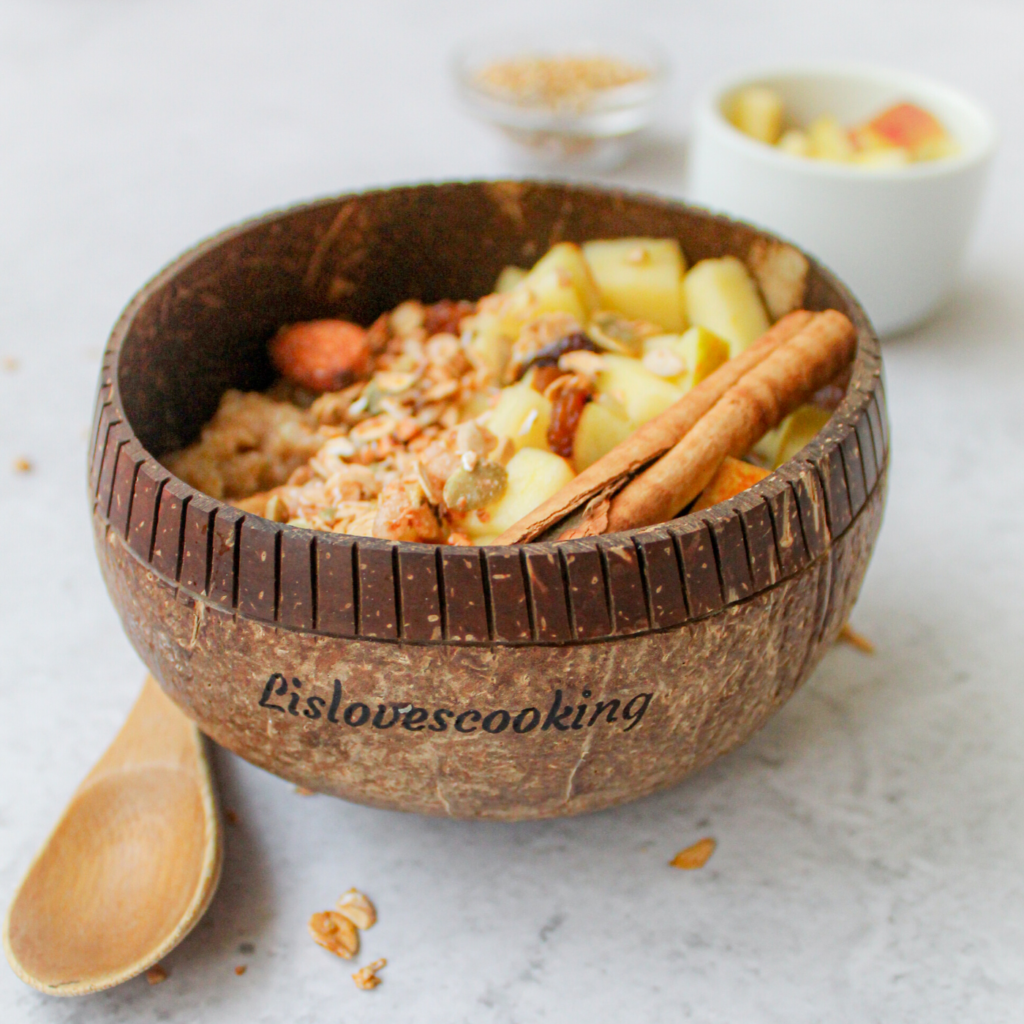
445	317
551	353
566	409
544	377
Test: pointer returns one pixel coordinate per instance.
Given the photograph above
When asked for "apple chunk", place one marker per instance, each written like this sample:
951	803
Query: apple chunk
721	296
523	415
601	427
792	434
509	277
830	140
697	353
533	477
798	429
642	394
487	342
757	111
639	277
912	128
781	272
733	476
559	282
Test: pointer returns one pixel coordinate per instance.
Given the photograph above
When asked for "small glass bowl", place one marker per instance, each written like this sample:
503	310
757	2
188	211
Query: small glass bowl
595	131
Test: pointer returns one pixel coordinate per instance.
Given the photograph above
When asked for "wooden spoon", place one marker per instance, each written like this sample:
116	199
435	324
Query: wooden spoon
130	867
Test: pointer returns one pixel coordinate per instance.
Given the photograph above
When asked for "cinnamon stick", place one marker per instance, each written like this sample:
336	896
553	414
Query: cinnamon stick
751	407
653	439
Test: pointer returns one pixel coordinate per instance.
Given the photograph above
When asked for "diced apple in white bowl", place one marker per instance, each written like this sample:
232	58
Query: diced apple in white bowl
889	206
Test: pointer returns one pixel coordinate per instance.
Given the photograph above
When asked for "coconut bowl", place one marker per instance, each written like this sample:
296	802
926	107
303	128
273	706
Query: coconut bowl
517	682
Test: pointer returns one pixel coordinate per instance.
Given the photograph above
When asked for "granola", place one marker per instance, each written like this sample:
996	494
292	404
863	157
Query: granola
695	856
357	908
156	974
335	932
366	977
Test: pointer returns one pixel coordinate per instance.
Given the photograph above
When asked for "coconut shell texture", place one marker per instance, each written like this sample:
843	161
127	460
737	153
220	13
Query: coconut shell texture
505	683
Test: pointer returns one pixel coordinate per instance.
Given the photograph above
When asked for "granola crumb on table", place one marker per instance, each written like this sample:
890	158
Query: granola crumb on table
366	977
850	636
338	931
335	932
695	856
357	908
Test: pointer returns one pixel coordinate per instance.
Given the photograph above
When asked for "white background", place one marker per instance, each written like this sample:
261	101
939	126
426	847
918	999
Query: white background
871	838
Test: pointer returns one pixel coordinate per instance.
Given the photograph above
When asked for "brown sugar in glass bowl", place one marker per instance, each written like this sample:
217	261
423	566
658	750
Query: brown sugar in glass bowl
513	682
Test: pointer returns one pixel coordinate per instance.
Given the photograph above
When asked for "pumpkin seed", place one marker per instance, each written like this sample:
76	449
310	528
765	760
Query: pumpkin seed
614	333
466	490
393	382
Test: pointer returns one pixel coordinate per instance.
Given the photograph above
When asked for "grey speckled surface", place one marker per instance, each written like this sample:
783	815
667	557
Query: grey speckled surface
871	838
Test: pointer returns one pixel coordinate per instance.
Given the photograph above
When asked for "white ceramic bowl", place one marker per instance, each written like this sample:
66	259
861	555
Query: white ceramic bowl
896	236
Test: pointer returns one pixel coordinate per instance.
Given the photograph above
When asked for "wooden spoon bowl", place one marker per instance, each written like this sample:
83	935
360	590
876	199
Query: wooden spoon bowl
517	682
130	867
